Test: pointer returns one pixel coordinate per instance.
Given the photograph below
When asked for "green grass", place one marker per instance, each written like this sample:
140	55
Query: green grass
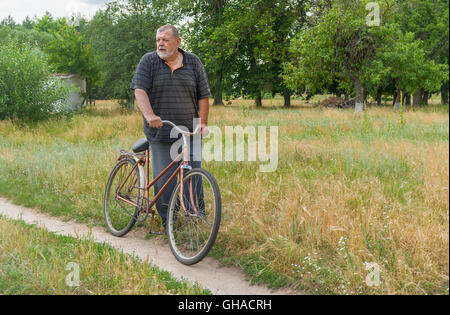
34	261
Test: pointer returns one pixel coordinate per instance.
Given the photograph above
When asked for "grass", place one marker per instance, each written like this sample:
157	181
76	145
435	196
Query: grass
348	190
34	261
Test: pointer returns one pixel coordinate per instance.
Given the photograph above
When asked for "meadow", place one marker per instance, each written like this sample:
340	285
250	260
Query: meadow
349	191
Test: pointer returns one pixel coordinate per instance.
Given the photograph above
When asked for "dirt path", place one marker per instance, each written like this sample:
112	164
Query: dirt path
218	279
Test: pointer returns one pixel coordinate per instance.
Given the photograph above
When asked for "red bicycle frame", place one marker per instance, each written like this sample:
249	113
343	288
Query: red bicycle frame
145	160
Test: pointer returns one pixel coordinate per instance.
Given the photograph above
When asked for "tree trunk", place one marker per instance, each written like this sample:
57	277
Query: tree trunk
379	95
359	101
426	95
287	99
404	95
417	98
258	99
444	93
218	97
398	100
218	93
218	100
87	94
407	99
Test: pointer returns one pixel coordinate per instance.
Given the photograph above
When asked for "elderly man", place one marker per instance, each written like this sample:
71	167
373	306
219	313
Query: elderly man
169	84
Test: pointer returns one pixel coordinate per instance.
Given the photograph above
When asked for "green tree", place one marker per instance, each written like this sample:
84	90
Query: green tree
250	30
405	63
49	24
26	92
121	34
344	47
243	43
8	21
285	18
25	33
71	52
340	47
429	21
206	36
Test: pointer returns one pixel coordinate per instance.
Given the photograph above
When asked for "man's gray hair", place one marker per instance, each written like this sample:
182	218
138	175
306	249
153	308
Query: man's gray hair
168	27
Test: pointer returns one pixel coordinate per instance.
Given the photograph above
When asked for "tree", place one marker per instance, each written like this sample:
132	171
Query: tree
405	63
343	46
25	33
121	34
205	37
71	52
243	43
26	92
8	21
48	24
340	47
285	18
429	21
252	46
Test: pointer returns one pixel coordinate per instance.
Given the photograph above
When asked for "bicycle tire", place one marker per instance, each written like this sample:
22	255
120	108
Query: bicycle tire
192	236
120	217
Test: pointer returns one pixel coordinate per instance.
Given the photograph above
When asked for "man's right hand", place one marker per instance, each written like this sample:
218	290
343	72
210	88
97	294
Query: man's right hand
154	121
144	105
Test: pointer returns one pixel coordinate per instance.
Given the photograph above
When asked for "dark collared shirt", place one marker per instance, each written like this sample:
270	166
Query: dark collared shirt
173	94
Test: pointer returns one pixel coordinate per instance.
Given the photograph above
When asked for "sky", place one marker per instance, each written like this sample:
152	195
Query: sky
19	9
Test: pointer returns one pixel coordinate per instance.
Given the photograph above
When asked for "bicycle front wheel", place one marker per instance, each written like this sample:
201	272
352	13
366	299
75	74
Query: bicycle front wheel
122	191
194	219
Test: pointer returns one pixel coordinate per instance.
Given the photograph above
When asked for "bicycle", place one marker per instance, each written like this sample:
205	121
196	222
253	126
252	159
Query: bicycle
195	206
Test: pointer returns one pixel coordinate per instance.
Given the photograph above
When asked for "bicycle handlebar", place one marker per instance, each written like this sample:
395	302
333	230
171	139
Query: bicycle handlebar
167	122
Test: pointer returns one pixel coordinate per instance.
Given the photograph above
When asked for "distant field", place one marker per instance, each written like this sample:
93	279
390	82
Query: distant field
349	191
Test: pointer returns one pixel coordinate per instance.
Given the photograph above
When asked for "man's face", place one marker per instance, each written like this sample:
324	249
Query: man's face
166	44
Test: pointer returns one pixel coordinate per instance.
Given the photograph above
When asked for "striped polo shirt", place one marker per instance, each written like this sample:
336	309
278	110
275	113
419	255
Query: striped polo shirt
173	94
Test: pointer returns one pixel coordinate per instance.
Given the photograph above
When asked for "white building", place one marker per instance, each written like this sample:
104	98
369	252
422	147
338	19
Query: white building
76	96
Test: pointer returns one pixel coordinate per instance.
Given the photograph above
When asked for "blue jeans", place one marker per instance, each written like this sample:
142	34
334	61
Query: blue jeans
160	160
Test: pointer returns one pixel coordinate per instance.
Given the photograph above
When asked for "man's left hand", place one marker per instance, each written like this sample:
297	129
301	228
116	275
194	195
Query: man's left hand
204	131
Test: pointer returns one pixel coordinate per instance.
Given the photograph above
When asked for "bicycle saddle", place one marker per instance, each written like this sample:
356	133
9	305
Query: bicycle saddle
140	146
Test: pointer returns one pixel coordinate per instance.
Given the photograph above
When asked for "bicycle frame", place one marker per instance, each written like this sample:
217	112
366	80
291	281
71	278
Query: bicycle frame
184	155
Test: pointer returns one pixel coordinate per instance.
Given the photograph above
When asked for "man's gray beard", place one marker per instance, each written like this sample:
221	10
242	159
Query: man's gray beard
163	55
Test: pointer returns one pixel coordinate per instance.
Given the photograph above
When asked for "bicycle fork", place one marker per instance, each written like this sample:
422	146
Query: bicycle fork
184	166
146	192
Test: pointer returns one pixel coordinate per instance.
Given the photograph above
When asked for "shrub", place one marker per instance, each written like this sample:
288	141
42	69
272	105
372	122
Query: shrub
26	92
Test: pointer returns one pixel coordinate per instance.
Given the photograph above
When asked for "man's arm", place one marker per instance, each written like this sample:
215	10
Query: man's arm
144	105
203	105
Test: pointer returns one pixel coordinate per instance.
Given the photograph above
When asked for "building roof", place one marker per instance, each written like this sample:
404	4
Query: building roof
64	75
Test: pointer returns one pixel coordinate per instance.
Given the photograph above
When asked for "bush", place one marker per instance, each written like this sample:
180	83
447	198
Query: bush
26	92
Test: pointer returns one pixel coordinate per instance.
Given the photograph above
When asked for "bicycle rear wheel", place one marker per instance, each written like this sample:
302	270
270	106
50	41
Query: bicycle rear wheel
121	216
192	229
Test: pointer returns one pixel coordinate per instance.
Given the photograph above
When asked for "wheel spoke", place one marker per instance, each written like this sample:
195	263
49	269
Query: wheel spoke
120	216
191	237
